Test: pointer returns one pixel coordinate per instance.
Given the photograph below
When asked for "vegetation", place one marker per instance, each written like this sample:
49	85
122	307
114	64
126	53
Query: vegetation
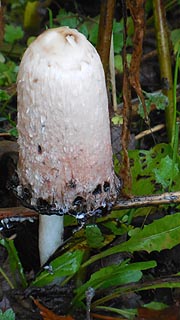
155	169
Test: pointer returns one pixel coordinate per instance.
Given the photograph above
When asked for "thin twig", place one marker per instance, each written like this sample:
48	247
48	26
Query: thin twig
146	201
121	204
17	212
149	131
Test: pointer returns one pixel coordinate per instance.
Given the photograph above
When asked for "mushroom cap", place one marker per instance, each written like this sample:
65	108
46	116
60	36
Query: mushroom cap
65	156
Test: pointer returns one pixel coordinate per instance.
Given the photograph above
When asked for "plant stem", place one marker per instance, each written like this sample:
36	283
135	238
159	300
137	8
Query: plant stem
175	128
105	31
6	278
163	44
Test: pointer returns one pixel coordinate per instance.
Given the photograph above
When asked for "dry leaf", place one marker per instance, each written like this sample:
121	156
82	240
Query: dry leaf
48	314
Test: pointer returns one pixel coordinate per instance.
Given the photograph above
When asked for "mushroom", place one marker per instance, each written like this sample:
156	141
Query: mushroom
65	155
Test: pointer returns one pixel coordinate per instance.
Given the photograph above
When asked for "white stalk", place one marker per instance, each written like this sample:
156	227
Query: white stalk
51	230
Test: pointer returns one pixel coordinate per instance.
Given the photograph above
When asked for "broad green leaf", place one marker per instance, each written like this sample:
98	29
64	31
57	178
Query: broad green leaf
13	33
159	235
144	168
83	29
7	315
115	275
164	173
118	26
118	42
94	236
119	63
67	19
66	265
93	34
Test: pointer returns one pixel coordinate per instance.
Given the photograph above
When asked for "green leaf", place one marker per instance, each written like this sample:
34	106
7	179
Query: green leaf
4	96
159	235
175	38
66	265
15	263
117	119
119	63
7	315
93	34
13	33
118	42
115	275
145	176
94	236
158	99
13	132
164	173
118	26
117	229
8	73
2	58
67	19
155	305
83	29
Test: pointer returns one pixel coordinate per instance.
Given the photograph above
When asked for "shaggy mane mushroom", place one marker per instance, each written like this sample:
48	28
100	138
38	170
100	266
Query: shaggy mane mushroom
65	156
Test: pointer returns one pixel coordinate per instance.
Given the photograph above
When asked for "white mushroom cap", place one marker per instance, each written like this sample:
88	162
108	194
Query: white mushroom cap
63	123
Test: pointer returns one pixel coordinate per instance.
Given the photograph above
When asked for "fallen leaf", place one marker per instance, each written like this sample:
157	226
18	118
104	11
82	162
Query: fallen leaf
48	314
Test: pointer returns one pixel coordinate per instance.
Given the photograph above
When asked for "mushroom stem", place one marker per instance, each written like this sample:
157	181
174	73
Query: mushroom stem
51	230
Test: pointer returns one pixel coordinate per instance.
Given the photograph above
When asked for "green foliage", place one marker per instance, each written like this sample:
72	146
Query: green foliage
94	236
13	33
113	276
7	315
14	262
156	305
89	27
117	120
4	96
164	173
175	38
66	265
8	73
67	19
159	235
119	63
152	170
155	99
118	34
